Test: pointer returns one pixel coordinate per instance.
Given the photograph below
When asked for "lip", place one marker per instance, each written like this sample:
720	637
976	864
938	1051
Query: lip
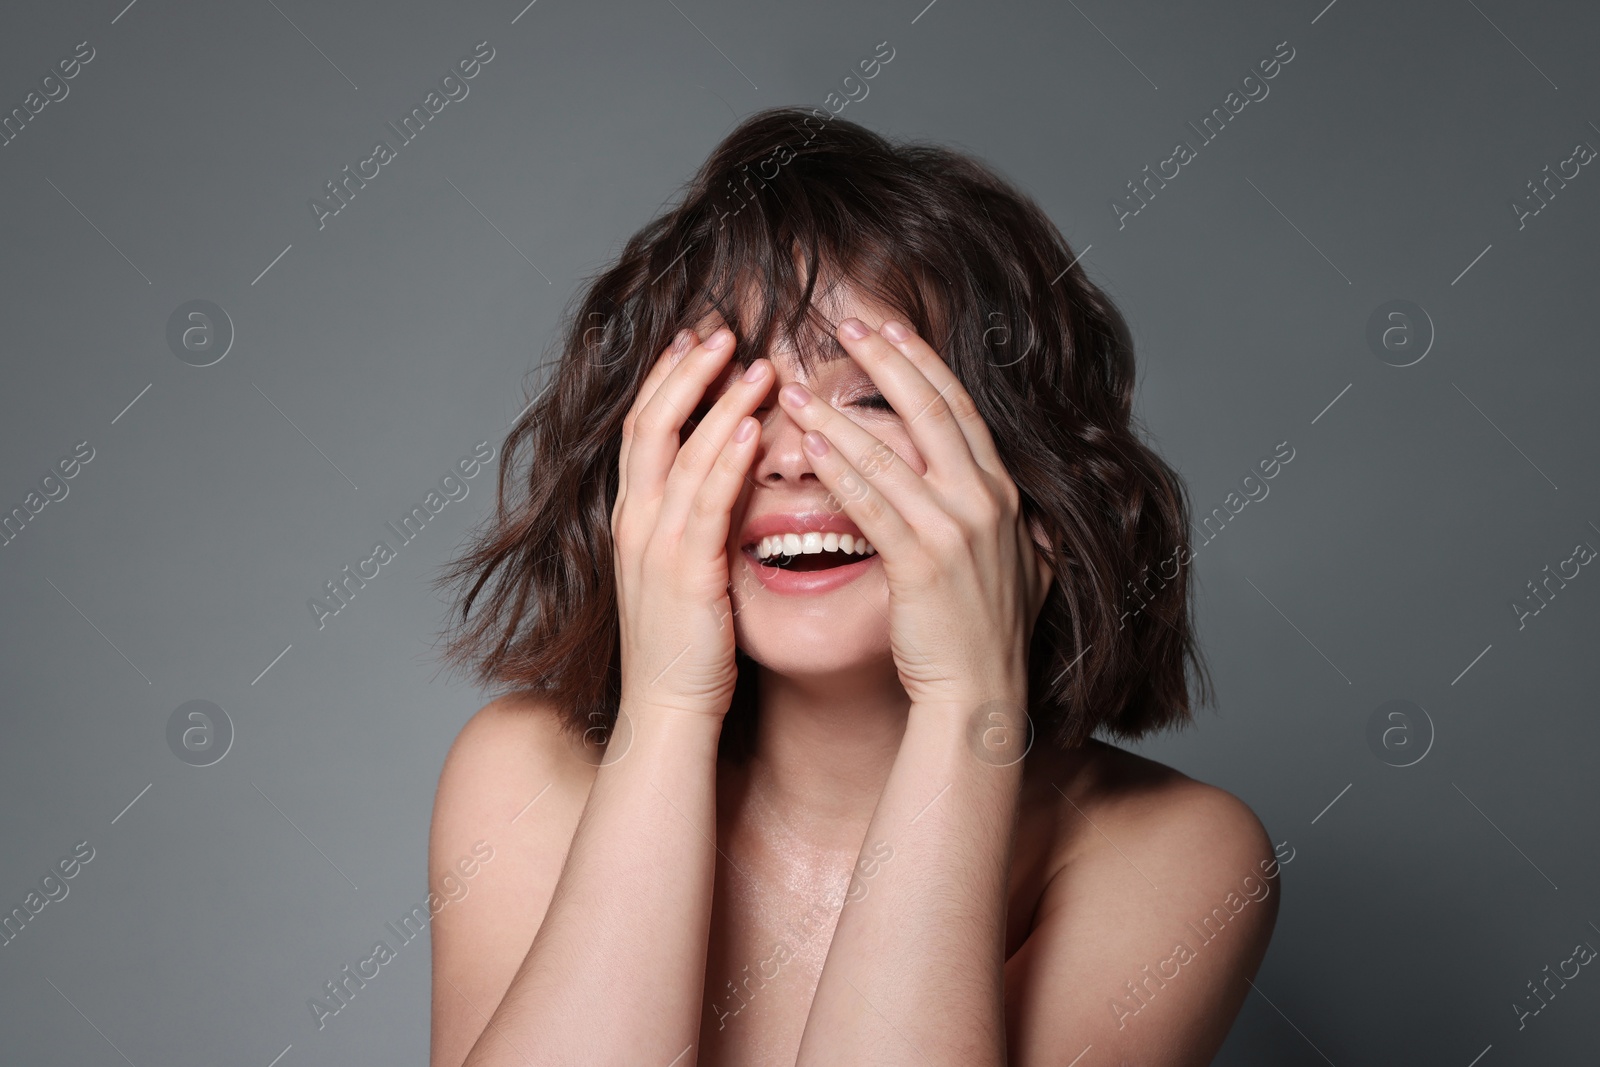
807	583
798	522
802	583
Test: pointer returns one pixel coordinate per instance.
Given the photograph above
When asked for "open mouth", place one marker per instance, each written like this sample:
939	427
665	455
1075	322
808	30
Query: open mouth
811	551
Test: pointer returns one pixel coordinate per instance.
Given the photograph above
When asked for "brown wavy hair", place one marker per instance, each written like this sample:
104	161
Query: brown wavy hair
979	270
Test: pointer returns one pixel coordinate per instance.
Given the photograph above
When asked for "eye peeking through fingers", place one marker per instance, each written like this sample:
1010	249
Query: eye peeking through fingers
875	402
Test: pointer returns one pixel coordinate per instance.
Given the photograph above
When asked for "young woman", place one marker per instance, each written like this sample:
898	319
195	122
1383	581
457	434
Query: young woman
833	547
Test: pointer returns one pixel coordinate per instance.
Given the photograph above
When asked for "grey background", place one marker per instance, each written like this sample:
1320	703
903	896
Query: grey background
376	352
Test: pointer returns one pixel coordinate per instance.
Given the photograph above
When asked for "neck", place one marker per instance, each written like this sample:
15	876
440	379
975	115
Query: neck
825	745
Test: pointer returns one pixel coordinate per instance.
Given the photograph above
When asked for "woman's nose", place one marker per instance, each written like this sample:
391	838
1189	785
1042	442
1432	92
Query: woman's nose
779	456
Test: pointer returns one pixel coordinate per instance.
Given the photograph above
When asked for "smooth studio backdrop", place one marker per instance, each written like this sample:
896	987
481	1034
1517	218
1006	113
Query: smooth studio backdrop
1379	261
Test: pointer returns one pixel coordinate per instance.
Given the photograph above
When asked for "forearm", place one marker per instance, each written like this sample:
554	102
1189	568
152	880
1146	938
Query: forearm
616	970
915	974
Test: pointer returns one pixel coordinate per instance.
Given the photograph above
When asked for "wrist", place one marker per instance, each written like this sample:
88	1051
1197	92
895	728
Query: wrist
1007	691
646	700
992	726
657	720
1001	678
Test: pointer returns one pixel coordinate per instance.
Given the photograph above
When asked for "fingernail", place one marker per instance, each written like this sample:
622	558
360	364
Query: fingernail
754	371
681	341
794	395
894	331
853	328
747	427
720	339
815	443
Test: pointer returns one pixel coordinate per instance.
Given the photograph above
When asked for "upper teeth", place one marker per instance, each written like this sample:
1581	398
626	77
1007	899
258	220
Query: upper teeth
810	543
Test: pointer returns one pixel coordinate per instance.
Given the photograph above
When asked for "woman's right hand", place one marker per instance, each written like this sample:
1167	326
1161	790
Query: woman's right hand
669	526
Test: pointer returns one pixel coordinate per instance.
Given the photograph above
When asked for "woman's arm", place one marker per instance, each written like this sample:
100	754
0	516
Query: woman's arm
915	974
616	971
915	971
510	780
1141	947
609	877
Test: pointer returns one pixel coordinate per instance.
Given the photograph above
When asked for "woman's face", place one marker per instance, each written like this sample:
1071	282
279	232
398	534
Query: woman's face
817	612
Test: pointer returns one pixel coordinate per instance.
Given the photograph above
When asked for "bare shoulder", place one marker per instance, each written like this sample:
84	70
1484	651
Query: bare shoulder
509	798
509	741
1190	830
1160	907
511	759
516	779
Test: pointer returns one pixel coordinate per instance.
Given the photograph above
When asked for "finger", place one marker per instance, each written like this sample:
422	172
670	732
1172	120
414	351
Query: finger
655	431
884	524
707	447
681	343
928	416
710	508
867	455
938	372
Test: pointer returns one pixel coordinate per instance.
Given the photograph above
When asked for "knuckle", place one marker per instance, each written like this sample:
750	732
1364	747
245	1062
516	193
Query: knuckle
939	408
632	527
960	403
697	454
647	421
622	535
988	505
704	507
726	463
1010	497
873	509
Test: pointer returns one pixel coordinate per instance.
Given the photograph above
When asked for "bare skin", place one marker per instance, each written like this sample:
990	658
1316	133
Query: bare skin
866	888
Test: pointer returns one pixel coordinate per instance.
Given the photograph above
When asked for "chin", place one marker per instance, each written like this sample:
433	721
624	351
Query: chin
835	630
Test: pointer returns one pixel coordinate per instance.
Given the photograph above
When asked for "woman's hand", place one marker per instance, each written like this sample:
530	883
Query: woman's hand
966	580
669	526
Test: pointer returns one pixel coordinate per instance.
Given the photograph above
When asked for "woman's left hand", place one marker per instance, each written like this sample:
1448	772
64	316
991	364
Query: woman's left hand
966	579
